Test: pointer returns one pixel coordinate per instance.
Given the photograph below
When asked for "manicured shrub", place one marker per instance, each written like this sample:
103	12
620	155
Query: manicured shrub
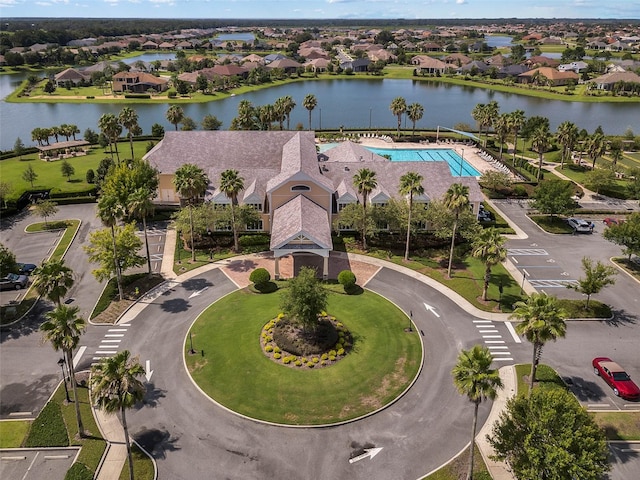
91	176
315	359
277	356
341	352
298	363
268	349
332	358
324	356
253	240
277	349
311	364
78	471
332	353
286	360
260	276
48	429
347	279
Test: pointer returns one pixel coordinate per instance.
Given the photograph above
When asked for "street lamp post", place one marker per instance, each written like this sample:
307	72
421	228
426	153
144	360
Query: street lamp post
524	276
61	362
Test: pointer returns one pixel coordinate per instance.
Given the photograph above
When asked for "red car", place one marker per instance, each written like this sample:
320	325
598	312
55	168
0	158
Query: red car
616	377
611	221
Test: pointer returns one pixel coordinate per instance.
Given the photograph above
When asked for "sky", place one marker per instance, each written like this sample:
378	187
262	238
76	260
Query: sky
322	9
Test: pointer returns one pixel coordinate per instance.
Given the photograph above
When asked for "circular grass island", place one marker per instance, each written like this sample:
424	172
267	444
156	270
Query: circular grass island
231	367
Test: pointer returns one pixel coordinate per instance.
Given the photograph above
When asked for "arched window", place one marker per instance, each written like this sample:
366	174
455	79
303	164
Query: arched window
300	188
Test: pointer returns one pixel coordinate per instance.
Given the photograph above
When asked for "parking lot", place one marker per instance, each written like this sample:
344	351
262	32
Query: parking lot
539	267
27	464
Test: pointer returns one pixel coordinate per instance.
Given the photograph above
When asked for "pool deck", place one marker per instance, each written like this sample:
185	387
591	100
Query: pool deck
469	153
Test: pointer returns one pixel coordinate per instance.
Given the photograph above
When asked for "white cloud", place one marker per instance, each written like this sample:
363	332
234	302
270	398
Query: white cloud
461	2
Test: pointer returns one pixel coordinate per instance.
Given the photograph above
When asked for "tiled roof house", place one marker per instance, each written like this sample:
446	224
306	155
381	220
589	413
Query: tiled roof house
298	192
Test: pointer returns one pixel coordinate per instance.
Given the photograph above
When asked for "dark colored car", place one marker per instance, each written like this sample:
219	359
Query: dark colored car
26	268
13	281
616	378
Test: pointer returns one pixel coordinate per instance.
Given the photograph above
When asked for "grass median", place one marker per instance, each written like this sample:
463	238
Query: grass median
236	373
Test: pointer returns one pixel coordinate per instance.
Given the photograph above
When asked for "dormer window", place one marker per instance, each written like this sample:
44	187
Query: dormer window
300	188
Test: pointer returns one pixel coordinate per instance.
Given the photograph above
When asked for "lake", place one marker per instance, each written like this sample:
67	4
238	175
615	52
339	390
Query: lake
350	103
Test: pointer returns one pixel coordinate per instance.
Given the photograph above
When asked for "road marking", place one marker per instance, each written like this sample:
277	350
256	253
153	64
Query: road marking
368	452
76	359
503	359
527	251
114	335
524	272
431	309
31	465
14	458
552	283
147	371
20	414
482	321
107	351
496	347
599	405
500	353
117	330
125	324
629	450
513	259
56	457
111	341
491	336
494	341
198	292
488	331
513	333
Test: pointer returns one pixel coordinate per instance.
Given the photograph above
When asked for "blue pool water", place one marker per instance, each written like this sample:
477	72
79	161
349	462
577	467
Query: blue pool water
454	160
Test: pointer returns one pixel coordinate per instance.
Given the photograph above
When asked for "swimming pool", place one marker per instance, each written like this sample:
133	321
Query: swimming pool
454	160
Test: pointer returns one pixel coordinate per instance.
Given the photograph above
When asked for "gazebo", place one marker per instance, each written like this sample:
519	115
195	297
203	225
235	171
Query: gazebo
60	150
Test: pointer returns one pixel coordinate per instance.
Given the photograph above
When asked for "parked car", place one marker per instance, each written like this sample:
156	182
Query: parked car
580	226
612	221
485	216
616	378
13	281
26	268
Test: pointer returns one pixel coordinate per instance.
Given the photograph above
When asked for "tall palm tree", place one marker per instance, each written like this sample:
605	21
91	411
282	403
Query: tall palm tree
141	206
246	116
109	211
231	184
115	387
542	320
456	200
398	107
474	377
63	328
280	112
128	118
488	246
540	143
310	102
175	114
596	147
365	182
191	182
516	123
501	127
289	105
111	129
53	280
567	134
415	111
480	114
410	184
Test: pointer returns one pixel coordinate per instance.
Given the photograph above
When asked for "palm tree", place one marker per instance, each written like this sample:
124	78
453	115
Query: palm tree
501	127
596	147
489	247
398	107
246	116
53	280
128	118
280	113
542	320
289	105
415	111
567	134
481	113
115	387
231	183
365	182
109	211
111	129
540	143
456	200
175	114
474	377
410	184
141	206
63	328
310	103
516	123
191	182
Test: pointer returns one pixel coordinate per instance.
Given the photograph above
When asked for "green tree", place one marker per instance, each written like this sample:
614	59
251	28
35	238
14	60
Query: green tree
502	127
351	217
7	261
109	211
211	122
474	378
567	135
310	102
231	184
596	147
398	107
304	299
516	124
141	207
67	170
5	190
114	261
124	179
455	200
46	209
111	129
415	111
116	387
63	328
128	118
488	247
541	320
495	180
626	234
540	143
288	104
191	183
188	124
550	436
29	175
410	185
18	148
599	179
174	115
596	277
53	280
365	182
554	197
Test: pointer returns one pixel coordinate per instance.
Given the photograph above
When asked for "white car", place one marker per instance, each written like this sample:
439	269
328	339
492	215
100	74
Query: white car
580	226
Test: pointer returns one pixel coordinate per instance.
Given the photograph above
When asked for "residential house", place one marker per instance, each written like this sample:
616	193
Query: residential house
70	75
577	67
428	65
609	80
548	76
138	82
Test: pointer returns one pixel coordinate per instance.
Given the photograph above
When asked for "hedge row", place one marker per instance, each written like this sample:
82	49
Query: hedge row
48	429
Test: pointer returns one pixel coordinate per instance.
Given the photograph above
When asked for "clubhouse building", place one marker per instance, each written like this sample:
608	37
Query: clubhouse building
298	191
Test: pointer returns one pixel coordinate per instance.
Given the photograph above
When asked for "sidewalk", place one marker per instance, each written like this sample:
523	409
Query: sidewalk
116	456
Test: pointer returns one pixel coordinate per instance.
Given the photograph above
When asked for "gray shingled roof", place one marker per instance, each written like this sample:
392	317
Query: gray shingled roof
301	216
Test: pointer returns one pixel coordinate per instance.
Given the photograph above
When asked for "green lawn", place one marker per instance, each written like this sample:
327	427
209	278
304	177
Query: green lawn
236	373
13	433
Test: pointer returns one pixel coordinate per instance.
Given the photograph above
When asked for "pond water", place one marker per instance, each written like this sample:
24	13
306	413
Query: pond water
236	36
498	41
341	102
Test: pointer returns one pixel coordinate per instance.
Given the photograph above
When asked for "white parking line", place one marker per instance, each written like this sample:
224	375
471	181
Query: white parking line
513	259
104	352
497	347
494	341
488	331
491	336
111	341
502	359
513	333
500	353
76	359
599	405
114	335
117	329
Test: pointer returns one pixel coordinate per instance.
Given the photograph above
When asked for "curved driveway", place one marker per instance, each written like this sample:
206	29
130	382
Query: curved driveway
186	432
